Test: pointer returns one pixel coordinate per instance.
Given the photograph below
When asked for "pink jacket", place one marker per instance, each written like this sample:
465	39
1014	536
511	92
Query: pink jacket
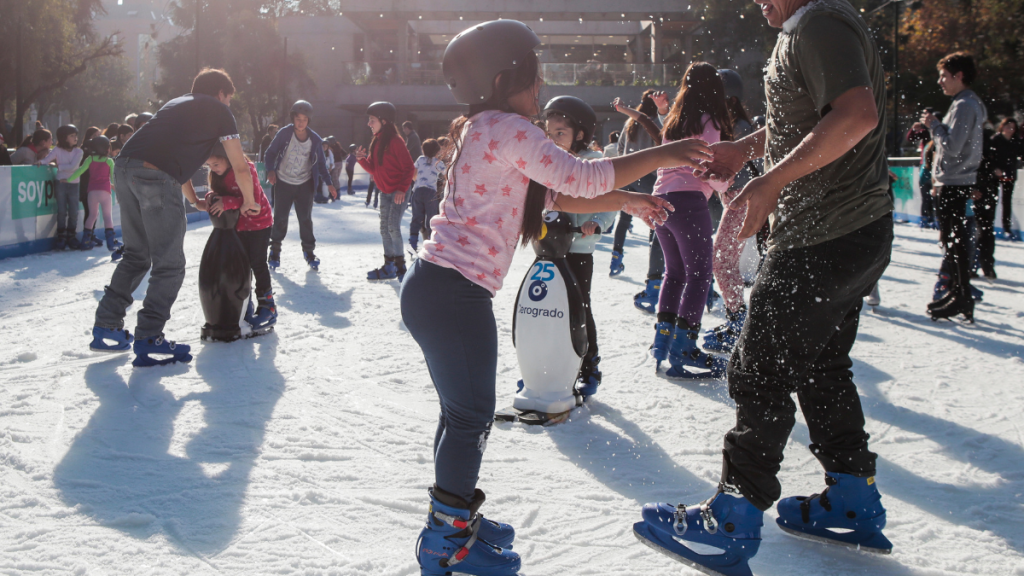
682	179
477	229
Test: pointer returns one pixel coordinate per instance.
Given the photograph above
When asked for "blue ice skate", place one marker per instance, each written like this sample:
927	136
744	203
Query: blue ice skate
647	300
166	352
588	383
453	540
312	260
684	355
274	260
386	272
617	266
112	242
87	242
110	340
60	241
663	332
724	521
712	298
723	338
116	255
263	317
849	504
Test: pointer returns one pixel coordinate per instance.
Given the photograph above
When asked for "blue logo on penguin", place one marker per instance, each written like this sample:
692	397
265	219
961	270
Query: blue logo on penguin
538	290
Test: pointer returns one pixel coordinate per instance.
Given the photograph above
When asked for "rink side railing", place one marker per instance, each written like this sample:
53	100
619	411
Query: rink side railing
907	194
28	220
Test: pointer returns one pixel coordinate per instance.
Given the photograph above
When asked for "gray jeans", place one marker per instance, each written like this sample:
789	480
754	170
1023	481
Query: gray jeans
153	230
67	206
391	225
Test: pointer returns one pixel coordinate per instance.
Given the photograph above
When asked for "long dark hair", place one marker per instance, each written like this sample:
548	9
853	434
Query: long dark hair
62	136
701	93
217	185
510	83
381	140
737	111
647	107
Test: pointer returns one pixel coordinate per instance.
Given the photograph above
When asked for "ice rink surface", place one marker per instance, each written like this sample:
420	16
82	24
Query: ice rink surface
308	451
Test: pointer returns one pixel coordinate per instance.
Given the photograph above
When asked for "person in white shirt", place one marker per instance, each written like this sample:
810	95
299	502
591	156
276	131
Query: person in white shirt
425	197
67	156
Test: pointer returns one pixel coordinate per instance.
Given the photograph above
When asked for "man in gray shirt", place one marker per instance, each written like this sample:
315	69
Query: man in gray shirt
831	236
959	140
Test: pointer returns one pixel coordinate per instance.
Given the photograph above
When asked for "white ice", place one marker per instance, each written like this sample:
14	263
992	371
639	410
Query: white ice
308	451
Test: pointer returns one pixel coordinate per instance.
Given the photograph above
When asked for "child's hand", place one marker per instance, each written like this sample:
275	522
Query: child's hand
360	153
249	208
618	105
214	206
691	152
653	210
590	228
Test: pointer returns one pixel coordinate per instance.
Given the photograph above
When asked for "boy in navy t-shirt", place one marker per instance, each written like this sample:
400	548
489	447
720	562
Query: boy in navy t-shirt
151	173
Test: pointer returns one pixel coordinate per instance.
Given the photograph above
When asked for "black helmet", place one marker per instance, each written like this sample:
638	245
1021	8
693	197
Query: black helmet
99	145
732	82
352	148
302	107
477	55
758	121
576	110
383	110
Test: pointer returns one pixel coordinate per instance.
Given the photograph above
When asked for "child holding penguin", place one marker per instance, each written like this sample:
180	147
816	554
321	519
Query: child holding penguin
570	123
502	173
253	230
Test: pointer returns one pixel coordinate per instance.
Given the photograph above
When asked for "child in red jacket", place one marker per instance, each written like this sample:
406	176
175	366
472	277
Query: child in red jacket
253	231
389	163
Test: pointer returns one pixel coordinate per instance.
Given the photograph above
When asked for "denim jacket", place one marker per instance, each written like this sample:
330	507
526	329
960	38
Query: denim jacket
316	154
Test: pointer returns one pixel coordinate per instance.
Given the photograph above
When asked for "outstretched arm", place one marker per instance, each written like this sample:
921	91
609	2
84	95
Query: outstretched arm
853	116
640	118
243	177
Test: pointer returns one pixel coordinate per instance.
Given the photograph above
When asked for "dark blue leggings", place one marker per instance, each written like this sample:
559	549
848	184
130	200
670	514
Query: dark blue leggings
452	320
686	241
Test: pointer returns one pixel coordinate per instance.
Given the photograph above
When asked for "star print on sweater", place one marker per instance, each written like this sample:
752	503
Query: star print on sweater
481	216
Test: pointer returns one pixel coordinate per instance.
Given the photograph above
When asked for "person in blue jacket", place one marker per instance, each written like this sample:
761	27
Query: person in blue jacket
296	166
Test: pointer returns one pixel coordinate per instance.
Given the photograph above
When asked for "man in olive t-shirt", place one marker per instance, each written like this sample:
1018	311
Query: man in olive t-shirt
831	237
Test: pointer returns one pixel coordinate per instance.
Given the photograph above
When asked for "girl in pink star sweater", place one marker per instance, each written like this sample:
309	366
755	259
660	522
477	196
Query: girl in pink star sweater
500	171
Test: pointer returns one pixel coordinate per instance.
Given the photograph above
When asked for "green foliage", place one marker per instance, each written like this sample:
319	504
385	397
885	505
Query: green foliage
241	37
53	41
104	93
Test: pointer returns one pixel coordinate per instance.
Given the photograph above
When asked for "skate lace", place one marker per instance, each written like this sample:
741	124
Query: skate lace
805	504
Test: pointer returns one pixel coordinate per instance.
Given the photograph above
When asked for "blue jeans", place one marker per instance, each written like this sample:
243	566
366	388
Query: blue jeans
67	206
153	230
452	321
391	225
424	207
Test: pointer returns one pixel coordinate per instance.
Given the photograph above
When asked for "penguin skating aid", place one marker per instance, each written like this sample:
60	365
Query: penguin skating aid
549	331
225	282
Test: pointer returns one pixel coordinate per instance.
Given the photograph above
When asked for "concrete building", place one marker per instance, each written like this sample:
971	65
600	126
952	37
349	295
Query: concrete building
391	50
139	26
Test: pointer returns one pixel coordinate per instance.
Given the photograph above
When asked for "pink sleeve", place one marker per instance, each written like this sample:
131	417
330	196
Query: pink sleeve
527	149
712	135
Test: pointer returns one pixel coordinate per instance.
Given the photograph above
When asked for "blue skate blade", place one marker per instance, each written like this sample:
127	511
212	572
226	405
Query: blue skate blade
144	361
683	374
716	565
110	349
873	542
